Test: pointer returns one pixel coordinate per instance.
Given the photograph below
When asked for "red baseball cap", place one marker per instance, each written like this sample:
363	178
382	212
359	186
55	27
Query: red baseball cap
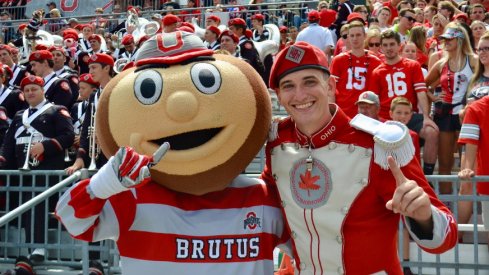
88	78
214	18
101	58
170	19
31	79
283	29
230	34
127	39
55	48
22	26
215	30
41	55
299	56
461	16
313	15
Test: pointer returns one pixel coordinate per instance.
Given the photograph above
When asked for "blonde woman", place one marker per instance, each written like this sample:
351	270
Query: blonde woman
453	73
478	88
372	42
478	29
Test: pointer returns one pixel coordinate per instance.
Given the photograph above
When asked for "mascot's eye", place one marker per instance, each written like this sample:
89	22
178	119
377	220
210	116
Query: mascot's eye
206	78
148	87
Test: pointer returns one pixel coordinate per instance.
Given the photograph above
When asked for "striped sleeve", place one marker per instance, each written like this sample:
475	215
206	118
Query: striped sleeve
418	78
469	131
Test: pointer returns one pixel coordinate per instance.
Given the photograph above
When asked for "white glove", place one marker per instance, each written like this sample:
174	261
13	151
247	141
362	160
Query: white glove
126	169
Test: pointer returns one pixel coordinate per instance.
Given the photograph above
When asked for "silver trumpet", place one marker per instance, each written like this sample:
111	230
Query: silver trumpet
67	156
31	162
93	148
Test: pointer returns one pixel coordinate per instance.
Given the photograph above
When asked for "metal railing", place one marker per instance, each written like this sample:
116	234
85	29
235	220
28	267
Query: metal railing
67	252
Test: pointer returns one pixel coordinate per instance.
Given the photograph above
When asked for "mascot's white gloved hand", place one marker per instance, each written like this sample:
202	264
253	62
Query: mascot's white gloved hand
126	169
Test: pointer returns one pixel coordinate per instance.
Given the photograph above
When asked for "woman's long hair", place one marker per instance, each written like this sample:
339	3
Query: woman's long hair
479	69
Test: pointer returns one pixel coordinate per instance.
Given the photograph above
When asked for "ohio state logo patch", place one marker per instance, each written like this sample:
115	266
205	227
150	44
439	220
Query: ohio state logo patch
310	189
251	221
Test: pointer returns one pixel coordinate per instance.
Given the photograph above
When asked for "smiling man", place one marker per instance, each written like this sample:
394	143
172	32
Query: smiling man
337	192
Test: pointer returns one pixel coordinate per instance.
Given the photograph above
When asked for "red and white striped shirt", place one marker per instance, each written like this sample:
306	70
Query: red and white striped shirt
159	231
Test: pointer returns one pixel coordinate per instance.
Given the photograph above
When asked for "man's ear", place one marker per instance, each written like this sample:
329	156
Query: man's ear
331	89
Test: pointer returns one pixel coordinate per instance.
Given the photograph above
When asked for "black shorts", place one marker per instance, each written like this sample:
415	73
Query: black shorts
448	123
416	123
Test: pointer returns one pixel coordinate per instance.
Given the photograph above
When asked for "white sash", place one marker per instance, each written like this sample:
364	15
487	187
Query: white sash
5	93
50	82
16	69
26	119
80	115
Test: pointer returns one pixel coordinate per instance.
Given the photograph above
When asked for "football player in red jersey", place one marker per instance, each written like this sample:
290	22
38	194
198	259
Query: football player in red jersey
353	69
399	76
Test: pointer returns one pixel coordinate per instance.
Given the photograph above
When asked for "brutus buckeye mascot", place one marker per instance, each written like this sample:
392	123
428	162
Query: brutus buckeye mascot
185	209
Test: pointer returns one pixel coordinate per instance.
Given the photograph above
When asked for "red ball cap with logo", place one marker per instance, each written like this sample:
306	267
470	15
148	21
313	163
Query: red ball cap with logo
215	30
170	19
88	78
313	16
237	22
171	48
31	79
101	58
128	39
40	55
296	57
283	29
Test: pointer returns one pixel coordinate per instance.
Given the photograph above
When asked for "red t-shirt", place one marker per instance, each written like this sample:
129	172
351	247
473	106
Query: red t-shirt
352	76
475	130
405	78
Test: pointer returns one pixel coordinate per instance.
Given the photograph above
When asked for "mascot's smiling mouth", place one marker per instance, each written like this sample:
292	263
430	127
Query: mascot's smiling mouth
189	140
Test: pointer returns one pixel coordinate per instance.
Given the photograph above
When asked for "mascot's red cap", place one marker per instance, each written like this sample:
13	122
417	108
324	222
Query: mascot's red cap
127	39
298	56
31	79
101	58
41	55
171	48
88	78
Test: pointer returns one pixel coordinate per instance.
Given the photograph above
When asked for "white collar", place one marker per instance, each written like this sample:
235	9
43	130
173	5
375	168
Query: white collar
39	105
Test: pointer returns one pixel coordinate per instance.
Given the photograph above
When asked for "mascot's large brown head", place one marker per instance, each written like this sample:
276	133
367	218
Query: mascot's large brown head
214	110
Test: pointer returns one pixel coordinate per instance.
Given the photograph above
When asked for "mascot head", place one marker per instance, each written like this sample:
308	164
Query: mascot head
214	110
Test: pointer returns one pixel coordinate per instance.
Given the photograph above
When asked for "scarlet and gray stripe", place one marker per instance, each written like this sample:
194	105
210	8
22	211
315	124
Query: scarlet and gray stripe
470	131
193	223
